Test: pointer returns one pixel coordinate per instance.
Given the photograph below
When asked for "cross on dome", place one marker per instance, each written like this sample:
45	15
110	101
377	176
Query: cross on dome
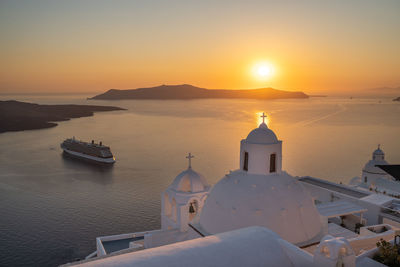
189	157
263	116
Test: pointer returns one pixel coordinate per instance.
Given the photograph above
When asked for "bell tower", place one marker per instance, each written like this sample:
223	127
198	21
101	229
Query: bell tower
183	199
261	151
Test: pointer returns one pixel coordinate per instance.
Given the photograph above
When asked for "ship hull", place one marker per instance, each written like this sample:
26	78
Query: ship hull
88	158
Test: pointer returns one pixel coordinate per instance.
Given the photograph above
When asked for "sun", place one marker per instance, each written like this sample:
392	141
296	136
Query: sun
264	70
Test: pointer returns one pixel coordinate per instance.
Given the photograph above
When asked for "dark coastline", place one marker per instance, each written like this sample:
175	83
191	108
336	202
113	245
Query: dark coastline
20	116
186	92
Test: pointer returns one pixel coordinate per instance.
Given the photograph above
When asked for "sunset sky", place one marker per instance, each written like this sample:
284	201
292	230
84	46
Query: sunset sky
91	46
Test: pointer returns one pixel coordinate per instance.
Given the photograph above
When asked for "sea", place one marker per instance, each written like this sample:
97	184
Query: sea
52	207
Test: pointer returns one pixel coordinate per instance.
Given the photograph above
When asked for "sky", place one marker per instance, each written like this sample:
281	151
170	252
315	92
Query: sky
319	47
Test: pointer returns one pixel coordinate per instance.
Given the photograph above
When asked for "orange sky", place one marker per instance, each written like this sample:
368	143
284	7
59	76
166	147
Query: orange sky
91	46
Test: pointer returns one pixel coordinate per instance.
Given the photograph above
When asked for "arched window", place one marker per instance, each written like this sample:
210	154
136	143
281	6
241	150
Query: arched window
272	163
174	210
246	161
365	179
167	205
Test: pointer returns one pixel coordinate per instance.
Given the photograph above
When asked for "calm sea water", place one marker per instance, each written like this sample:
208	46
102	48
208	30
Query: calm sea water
52	208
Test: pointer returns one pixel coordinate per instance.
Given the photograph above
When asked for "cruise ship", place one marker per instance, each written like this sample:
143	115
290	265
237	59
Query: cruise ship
88	151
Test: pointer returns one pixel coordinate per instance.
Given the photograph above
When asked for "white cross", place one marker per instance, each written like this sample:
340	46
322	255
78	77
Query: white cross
263	116
189	157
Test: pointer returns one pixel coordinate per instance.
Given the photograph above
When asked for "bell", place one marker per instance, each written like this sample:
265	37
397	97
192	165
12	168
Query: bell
191	208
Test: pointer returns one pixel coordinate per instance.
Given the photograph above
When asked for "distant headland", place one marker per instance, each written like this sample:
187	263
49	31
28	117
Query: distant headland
20	116
187	91
397	99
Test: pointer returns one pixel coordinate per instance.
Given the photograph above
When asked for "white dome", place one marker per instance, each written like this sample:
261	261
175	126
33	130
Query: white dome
189	181
378	158
378	151
262	135
277	201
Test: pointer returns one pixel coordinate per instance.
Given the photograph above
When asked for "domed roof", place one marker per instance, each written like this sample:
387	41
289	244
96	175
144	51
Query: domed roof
377	159
277	201
189	181
378	151
262	135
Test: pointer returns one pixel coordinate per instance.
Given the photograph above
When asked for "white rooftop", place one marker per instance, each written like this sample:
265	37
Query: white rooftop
335	231
367	262
378	199
338	208
253	246
339	231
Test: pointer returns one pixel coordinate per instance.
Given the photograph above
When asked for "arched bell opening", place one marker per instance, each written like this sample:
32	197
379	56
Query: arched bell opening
193	209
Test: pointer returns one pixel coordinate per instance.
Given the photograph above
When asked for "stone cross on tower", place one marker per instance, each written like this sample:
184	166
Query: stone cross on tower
189	157
263	116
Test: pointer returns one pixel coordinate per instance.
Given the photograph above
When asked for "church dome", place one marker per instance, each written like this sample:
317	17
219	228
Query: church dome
189	181
378	151
262	135
378	158
276	201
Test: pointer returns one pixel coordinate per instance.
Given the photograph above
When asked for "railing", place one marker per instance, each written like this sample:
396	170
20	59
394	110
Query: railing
366	243
92	255
100	248
390	211
333	187
99	240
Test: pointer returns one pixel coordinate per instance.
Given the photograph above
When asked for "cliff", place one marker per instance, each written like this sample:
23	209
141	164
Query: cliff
19	116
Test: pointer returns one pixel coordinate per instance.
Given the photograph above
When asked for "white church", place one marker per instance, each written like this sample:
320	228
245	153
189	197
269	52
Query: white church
378	175
257	215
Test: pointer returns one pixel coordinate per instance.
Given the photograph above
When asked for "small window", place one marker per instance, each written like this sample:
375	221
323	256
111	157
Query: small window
365	179
246	161
272	163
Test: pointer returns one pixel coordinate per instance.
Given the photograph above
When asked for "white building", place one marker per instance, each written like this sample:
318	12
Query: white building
261	193
376	175
183	199
258	215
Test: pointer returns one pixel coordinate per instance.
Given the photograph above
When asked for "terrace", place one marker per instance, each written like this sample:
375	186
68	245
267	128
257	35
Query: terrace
334	187
120	243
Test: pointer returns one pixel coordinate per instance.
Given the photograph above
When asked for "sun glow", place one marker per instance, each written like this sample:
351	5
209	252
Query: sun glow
264	70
